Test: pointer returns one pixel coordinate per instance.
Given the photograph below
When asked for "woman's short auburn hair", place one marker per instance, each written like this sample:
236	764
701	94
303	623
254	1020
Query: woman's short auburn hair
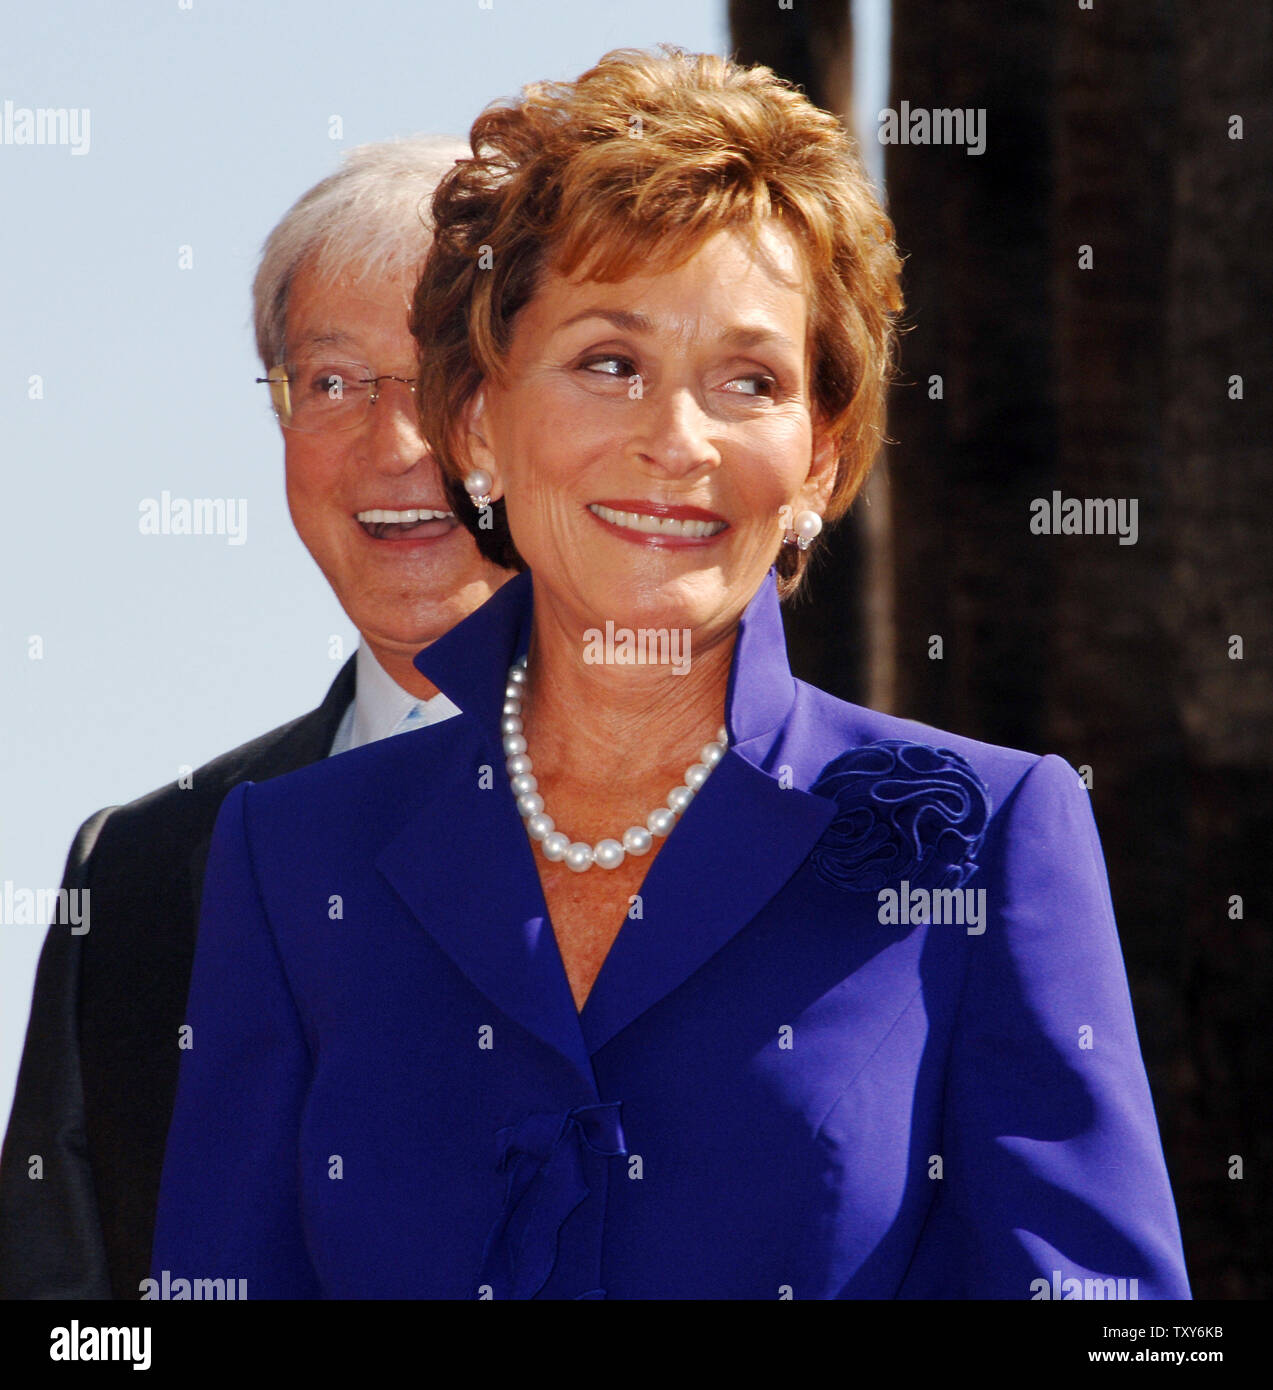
633	167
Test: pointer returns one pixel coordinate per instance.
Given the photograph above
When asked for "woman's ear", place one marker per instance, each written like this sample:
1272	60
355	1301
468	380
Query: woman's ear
819	484
476	447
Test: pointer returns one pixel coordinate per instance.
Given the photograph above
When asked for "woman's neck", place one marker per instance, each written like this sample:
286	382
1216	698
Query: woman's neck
600	728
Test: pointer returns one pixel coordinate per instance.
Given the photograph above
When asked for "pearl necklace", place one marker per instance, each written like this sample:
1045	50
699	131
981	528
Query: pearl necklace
558	847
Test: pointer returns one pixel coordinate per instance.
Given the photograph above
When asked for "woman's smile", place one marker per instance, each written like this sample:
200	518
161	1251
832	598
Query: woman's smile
659	523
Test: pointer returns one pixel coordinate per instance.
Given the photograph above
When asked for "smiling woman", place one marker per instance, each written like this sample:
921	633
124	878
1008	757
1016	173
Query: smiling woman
515	1028
583	186
689	428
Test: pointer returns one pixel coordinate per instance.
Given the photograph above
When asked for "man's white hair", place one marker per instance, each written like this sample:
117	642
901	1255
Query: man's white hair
372	216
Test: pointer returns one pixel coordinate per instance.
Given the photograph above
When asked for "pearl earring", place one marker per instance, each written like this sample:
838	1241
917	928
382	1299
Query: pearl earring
808	526
478	486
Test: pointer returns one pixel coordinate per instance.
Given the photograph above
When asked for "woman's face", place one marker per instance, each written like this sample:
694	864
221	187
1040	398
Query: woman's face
652	435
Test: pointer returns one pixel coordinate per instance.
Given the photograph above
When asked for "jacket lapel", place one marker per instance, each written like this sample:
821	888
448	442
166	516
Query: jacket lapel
489	917
742	838
745	834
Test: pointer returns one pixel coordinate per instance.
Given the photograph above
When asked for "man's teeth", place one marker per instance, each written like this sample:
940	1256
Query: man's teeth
411	514
657	525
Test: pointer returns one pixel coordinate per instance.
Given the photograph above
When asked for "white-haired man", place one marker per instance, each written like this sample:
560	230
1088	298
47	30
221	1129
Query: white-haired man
79	1175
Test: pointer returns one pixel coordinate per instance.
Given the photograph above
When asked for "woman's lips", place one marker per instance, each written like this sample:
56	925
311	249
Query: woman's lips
407	524
658	523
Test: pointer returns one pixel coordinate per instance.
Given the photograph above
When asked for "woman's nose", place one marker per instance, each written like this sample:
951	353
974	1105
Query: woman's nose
675	432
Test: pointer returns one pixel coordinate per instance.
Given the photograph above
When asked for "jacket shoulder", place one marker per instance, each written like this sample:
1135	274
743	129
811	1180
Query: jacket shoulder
213	780
82	846
193	801
849	726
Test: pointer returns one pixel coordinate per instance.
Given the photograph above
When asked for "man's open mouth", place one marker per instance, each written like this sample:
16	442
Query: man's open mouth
411	524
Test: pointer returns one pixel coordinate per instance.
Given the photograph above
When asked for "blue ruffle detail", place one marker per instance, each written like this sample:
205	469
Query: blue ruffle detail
904	811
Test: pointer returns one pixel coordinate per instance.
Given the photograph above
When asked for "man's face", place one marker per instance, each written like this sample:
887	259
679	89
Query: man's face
403	583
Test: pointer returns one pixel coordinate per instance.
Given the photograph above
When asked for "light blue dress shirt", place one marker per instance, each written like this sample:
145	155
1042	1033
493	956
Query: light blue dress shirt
381	707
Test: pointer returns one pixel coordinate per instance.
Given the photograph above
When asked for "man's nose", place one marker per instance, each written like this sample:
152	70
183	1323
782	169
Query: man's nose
393	436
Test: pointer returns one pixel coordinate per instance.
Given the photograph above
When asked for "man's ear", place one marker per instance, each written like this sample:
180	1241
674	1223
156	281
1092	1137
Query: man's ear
475	434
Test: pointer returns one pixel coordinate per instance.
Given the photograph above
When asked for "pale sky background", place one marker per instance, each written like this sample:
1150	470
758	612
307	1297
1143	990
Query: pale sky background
206	121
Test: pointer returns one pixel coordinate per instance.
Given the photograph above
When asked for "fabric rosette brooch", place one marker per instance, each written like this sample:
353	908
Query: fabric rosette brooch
904	811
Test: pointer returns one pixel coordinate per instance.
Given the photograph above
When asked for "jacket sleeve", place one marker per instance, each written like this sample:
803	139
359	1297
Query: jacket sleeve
51	1242
1052	1168
229	1200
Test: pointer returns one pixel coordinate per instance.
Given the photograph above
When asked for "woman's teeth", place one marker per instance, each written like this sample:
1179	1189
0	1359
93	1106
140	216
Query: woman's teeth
656	525
412	514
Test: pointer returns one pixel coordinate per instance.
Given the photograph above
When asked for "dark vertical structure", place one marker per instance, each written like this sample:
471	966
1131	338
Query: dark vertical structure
1216	499
975	412
826	625
1034	366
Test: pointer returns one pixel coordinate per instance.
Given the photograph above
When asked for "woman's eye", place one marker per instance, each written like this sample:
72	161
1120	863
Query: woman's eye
757	384
609	366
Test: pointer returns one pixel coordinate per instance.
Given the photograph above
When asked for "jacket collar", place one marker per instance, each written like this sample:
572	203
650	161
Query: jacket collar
468	664
741	839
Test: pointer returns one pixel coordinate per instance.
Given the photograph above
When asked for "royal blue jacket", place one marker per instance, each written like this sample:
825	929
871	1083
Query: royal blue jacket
815	1064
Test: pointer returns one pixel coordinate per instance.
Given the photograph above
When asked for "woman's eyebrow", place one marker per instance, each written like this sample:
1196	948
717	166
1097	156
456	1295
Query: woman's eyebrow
745	336
626	320
630	321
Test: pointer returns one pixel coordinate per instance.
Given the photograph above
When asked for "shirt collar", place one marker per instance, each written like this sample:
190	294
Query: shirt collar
382	707
471	661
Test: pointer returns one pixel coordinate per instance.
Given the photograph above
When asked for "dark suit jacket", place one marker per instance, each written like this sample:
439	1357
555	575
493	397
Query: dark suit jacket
99	1069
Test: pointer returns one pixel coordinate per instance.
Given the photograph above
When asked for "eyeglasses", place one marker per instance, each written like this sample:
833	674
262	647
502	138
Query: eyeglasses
319	394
